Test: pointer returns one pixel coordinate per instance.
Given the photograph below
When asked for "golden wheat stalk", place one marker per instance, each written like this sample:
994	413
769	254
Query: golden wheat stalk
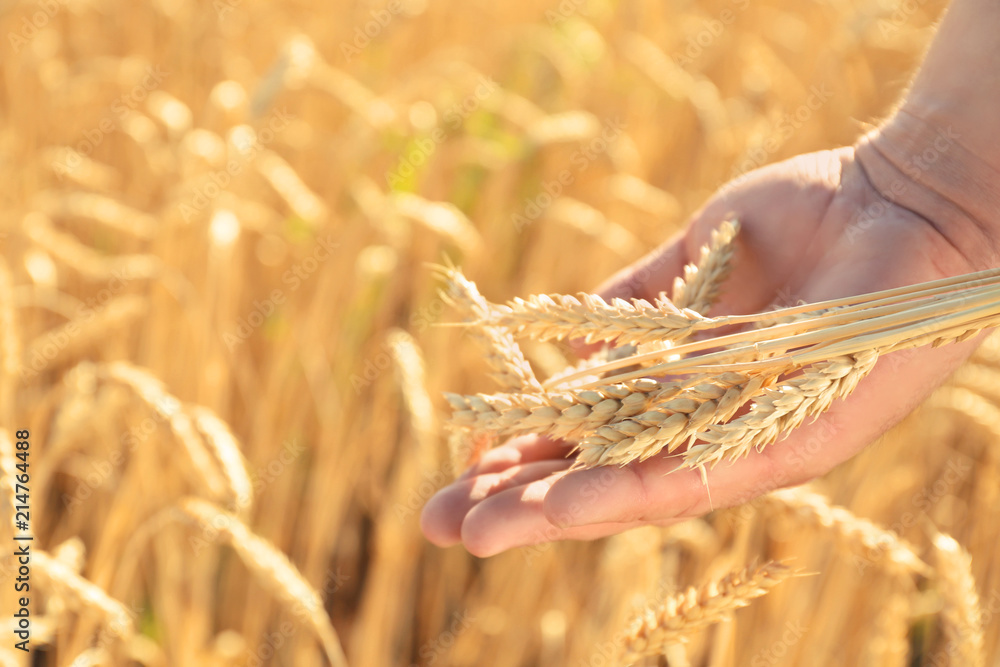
83	595
707	276
867	541
781	409
833	345
701	283
88	262
510	369
270	566
220	478
411	371
223	445
961	614
672	423
684	614
592	319
562	414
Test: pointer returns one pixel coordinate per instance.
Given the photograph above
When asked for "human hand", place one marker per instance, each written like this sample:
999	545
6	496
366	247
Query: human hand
815	227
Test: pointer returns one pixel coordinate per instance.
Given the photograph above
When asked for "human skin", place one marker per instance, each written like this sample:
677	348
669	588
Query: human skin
915	200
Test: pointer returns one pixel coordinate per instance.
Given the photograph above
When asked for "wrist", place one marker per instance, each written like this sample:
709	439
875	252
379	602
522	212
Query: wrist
924	160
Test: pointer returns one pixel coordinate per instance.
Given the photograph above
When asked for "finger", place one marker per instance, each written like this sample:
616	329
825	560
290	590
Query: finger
517	451
515	518
654	491
442	516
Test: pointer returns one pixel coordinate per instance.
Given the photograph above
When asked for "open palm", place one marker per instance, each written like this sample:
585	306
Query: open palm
812	228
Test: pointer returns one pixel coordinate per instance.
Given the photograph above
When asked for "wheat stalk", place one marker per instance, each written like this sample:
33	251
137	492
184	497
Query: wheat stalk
510	369
866	540
562	414
672	423
412	375
591	318
701	283
171	412
271	566
223	445
961	615
832	346
82	594
781	409
86	261
684	614
83	332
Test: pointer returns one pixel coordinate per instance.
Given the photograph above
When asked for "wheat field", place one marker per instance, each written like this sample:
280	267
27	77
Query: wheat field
218	331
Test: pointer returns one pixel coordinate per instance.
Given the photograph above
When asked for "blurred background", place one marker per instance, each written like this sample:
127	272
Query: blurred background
217	320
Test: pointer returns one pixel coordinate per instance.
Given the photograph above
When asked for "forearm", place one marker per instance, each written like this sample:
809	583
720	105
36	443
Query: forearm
939	153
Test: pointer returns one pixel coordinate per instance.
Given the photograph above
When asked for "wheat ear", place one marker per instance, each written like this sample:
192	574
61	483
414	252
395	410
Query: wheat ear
781	409
171	411
863	538
699	288
272	568
226	448
591	318
961	614
82	594
412	376
681	615
563	414
670	423
509	367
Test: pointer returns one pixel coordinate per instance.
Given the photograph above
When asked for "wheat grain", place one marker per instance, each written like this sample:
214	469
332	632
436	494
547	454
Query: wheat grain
91	657
970	404
290	187
569	414
99	208
672	423
697	608
889	644
444	219
961	615
413	381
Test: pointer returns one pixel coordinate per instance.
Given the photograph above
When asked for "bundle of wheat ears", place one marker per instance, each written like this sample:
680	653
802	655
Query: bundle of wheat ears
685	387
